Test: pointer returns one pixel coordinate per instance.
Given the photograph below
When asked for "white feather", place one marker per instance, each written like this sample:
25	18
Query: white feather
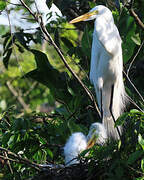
77	142
74	146
106	68
99	131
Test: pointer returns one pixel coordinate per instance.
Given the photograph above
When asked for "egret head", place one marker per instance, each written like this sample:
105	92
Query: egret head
93	14
97	135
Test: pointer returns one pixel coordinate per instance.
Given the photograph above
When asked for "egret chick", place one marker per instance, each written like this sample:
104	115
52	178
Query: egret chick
106	67
74	146
97	135
78	142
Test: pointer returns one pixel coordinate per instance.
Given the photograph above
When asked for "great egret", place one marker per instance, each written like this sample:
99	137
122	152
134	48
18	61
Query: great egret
79	142
106	67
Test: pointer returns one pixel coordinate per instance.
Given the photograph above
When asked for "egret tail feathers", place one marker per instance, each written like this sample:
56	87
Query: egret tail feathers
112	131
119	102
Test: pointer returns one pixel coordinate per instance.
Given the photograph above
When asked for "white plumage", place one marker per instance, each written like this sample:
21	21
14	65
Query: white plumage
106	67
74	146
78	142
97	133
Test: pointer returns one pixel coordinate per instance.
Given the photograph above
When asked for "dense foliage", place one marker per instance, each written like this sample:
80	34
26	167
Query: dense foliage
42	103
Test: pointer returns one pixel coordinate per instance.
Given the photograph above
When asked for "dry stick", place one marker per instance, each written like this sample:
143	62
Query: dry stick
31	88
136	92
137	19
8	163
19	98
45	32
18	159
135	57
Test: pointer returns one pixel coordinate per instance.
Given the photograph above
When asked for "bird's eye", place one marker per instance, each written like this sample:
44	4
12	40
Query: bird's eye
95	11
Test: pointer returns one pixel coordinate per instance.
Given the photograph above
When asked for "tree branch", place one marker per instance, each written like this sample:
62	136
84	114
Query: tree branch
134	57
38	18
18	159
137	19
19	98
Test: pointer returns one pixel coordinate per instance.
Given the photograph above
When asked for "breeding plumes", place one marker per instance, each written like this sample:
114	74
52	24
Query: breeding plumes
78	142
106	67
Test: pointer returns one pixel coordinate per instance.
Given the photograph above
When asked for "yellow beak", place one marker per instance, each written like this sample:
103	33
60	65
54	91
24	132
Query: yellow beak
83	17
91	141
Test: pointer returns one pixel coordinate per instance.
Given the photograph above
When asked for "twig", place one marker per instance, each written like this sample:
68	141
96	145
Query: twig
135	90
137	19
13	3
45	32
8	163
31	88
8	159
135	57
129	5
19	98
135	170
18	159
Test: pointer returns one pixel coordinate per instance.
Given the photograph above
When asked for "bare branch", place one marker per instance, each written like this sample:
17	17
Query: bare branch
38	18
135	57
31	88
135	90
18	159
19	98
8	163
137	19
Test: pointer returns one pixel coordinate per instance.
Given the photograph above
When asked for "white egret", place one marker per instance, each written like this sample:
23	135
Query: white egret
78	142
106	67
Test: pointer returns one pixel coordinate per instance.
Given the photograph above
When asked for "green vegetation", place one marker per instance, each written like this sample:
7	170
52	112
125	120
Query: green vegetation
41	102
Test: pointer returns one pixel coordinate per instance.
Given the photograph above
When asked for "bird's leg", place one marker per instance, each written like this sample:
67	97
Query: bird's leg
110	108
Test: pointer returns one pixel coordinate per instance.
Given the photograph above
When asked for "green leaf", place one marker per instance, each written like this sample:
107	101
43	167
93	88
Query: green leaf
41	60
56	37
135	111
92	4
67	42
6	138
49	152
73	127
22	38
83	153
7	42
139	178
126	34
141	141
142	165
40	156
21	50
2	5
136	39
49	3
11	140
87	41
7	57
49	76
121	119
134	156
